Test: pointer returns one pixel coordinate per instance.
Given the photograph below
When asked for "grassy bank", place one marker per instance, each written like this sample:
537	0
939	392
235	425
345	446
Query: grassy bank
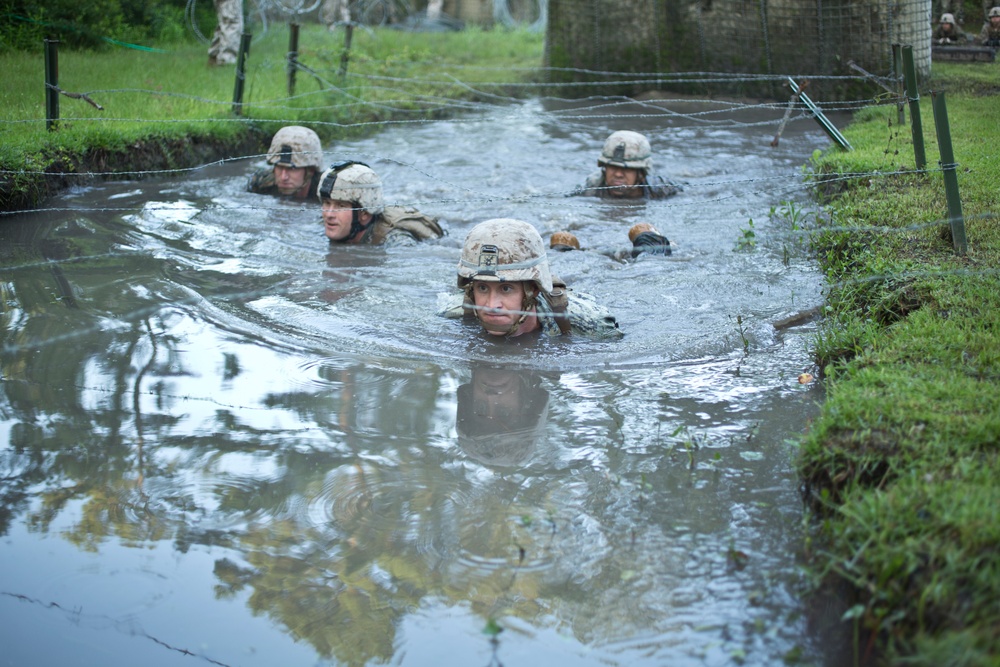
903	465
169	109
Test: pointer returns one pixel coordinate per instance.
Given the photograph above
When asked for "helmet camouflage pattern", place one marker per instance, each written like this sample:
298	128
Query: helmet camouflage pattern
995	11
354	182
296	146
947	18
504	250
627	149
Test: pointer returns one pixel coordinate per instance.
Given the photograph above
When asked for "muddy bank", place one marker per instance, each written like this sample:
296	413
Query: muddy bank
28	190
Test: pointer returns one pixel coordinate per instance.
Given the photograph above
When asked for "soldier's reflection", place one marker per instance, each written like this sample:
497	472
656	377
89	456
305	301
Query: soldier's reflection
502	415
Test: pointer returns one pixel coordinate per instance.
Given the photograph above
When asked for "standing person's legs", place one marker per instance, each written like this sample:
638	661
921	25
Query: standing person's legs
226	40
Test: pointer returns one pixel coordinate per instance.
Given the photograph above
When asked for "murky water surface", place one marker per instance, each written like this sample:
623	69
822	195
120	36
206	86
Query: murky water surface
224	442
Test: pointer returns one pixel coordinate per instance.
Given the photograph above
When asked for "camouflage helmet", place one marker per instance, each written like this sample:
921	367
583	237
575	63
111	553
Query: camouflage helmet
354	182
296	146
626	149
504	250
995	11
947	18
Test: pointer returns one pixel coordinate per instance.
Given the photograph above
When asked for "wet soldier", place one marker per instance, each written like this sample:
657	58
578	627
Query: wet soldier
506	285
948	31
626	162
294	160
990	34
643	236
354	211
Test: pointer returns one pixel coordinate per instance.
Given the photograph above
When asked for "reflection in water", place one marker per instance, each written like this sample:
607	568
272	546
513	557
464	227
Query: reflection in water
219	435
501	415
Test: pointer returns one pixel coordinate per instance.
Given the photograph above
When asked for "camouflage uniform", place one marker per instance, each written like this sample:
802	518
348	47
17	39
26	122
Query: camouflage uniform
628	150
507	250
952	36
226	40
654	187
398	226
292	146
990	35
390	226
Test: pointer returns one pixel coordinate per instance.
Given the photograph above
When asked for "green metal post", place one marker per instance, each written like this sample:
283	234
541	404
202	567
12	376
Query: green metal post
51	84
824	122
916	127
948	168
293	55
241	73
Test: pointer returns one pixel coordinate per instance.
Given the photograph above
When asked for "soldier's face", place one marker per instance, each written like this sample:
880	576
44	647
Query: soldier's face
995	21
946	27
337	217
622	181
289	179
499	306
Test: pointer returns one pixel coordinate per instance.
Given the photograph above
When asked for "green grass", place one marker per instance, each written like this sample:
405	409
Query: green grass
903	466
390	74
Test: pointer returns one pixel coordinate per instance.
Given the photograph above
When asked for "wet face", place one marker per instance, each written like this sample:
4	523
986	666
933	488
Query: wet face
337	217
500	307
290	179
622	181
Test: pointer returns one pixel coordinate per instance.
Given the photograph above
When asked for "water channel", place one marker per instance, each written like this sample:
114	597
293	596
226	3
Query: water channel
224	442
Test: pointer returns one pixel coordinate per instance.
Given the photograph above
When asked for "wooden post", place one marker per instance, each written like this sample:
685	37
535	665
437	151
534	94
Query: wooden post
948	167
346	55
897	73
241	73
51	84
293	55
916	127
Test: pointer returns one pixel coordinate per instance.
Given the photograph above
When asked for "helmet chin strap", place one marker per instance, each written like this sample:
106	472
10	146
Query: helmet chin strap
528	304
356	226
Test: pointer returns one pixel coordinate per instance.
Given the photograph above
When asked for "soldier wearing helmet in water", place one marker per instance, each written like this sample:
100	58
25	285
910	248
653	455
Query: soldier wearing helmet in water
294	160
506	285
354	211
626	162
990	34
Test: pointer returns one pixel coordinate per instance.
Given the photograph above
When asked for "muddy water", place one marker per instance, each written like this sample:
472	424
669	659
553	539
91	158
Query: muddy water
225	442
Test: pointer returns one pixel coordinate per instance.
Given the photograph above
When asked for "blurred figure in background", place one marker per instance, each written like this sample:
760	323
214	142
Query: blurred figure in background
226	41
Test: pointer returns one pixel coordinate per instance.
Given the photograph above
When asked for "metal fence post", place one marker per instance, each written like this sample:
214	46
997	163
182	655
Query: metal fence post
948	168
241	73
916	127
51	84
293	55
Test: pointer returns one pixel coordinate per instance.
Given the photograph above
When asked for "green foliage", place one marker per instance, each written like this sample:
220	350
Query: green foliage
93	23
903	465
748	238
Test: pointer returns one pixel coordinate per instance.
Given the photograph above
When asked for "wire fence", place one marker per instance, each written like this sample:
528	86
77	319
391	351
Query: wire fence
814	37
406	102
